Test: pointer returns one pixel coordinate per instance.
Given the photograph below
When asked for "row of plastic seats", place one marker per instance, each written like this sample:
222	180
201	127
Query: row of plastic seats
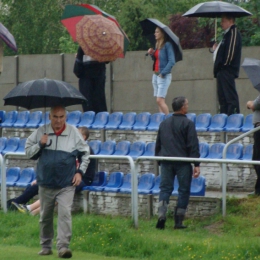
235	151
13	144
19	178
222	122
147	184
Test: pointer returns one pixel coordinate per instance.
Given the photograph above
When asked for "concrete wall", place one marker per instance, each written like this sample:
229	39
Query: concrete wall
128	83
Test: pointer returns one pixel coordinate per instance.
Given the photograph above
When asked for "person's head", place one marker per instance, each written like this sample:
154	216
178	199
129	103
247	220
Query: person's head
180	105
84	132
227	21
57	117
160	37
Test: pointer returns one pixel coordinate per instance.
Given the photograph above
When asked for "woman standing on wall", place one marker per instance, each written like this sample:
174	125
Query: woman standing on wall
164	59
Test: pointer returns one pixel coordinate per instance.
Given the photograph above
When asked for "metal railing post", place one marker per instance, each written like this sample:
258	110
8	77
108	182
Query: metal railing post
3	185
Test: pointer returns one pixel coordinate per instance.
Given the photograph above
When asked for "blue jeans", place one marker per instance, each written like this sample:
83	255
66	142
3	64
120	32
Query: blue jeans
184	176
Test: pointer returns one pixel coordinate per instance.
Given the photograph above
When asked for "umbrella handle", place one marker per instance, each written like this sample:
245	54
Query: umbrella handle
47	145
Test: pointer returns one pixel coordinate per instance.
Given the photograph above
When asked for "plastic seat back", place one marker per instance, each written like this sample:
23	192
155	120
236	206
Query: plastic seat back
27	175
22	119
95	146
215	151
175	186
99	181
115	182
142	120
73	117
2	116
11	145
234	123
146	183
126	186
248	152
198	186
203	122
86	119
192	117
204	149
12	175
155	121
156	187
21	146
101	119
122	148
45	118
3	142
149	149
218	122
235	151
128	121
107	148
248	124
114	120
10	119
169	115
137	149
35	119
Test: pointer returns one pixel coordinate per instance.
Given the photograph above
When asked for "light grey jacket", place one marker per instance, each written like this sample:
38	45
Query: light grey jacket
56	165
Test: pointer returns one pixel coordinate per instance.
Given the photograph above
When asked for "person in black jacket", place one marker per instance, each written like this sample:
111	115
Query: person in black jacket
177	137
227	56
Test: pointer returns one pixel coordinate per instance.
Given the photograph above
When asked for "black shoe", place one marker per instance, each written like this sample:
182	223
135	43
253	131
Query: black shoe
161	223
10	205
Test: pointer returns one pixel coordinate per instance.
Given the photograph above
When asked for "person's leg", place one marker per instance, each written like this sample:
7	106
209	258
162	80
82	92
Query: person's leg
85	88
27	195
256	157
163	108
35	205
221	95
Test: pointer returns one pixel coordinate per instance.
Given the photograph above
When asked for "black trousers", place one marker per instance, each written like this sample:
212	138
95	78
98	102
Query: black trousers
27	195
227	93
256	157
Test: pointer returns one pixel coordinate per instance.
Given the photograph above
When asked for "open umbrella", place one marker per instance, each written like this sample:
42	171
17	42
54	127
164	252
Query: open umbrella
74	13
7	37
216	9
99	38
149	25
252	69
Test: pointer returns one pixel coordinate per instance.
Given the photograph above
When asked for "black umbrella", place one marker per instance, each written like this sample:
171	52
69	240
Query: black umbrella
149	25
252	69
7	37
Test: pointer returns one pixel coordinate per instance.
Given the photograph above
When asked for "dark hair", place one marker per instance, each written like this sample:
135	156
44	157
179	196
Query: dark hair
84	131
177	103
229	16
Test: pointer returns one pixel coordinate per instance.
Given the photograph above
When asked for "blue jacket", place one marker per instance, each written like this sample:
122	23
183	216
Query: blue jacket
166	59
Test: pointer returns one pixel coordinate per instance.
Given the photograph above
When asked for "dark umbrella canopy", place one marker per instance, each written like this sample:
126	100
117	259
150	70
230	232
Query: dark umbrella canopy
44	93
252	69
7	37
149	25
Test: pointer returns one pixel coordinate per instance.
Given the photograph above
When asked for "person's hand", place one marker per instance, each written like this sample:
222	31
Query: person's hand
214	47
250	105
77	179
44	139
196	172
150	51
160	75
34	182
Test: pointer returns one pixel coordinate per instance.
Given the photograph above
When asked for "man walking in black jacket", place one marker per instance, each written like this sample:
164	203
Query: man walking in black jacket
177	137
227	56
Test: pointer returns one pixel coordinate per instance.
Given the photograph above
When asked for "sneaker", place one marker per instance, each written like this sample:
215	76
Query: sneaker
45	251
20	207
161	223
65	253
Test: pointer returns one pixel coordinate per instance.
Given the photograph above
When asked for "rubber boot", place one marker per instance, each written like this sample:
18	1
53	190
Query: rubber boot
162	210
179	215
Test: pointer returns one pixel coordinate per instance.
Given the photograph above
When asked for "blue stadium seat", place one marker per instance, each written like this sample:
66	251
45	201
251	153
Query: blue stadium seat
137	149
122	148
12	175
142	120
155	121
128	121
11	145
248	152
115	182
87	119
45	118
34	119
3	142
248	124
203	122
114	120
218	122
107	148
156	187
100	121
198	186
10	118
235	151
169	115
73	117
146	183
149	149
204	149
175	187
22	119
27	175
2	116
21	146
126	186
234	123
192	117
95	145
99	181
215	151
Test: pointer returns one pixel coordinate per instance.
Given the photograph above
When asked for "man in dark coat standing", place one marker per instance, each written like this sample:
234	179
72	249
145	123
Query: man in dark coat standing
227	56
177	137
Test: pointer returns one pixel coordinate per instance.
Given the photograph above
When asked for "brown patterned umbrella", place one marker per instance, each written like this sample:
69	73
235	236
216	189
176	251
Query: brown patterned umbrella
99	38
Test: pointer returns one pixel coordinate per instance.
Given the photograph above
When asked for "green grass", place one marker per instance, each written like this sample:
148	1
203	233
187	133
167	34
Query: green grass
98	237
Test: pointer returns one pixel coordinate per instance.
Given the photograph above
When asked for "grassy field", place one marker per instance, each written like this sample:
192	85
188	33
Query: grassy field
113	238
